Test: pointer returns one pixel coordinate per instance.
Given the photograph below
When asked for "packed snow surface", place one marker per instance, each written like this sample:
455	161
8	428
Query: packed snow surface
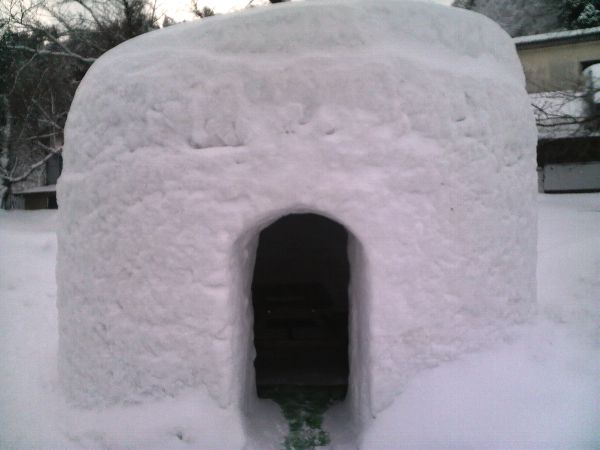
537	389
182	144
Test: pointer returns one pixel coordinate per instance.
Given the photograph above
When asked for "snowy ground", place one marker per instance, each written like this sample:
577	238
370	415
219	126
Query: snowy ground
540	389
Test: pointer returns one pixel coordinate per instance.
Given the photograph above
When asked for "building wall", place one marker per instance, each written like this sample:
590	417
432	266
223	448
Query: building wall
557	67
580	177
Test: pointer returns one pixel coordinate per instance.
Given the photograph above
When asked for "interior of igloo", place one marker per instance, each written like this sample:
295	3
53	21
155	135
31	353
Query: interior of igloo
301	286
300	302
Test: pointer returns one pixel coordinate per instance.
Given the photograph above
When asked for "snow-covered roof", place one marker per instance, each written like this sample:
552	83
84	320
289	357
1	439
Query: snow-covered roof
557	37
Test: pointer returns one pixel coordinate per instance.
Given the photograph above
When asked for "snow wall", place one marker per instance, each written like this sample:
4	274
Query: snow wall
406	122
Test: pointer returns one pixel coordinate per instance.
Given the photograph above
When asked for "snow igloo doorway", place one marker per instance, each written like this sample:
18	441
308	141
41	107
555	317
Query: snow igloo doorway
300	299
406	123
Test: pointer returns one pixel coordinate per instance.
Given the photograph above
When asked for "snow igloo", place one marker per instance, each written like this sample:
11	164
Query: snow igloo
315	191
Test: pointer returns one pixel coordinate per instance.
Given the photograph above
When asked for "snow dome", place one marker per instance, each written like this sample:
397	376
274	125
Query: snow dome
337	191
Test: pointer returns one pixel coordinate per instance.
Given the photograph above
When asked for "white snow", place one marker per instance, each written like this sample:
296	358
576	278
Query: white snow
182	144
33	411
539	389
592	74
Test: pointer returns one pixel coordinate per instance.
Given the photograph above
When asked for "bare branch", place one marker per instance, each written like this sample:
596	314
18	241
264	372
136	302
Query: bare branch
37	86
49	118
68	53
18	74
31	168
39	136
48	149
99	23
203	12
6	132
74	30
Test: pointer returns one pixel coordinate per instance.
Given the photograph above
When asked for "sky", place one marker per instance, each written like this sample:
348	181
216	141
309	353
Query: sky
180	9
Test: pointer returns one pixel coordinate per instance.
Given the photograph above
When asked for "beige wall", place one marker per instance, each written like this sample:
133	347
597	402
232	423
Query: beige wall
557	67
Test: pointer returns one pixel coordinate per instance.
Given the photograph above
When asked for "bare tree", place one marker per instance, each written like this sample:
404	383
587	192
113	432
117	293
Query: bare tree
573	112
203	12
45	50
34	99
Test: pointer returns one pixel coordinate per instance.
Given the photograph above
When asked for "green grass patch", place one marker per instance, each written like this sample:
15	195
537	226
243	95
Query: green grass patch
303	407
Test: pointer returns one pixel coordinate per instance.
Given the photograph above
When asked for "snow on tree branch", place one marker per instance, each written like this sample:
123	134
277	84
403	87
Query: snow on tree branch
14	179
46	47
44	52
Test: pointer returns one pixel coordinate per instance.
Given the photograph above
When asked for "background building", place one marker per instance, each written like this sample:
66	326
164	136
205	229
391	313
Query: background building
562	71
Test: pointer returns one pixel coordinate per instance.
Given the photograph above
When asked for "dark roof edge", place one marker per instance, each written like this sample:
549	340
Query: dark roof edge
557	38
37	190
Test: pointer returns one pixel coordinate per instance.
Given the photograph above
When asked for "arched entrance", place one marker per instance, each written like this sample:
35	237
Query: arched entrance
300	299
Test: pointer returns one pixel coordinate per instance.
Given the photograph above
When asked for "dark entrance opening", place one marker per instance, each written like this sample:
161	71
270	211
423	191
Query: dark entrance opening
300	299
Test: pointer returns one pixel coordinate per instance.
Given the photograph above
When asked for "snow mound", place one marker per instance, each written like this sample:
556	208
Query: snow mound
183	144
